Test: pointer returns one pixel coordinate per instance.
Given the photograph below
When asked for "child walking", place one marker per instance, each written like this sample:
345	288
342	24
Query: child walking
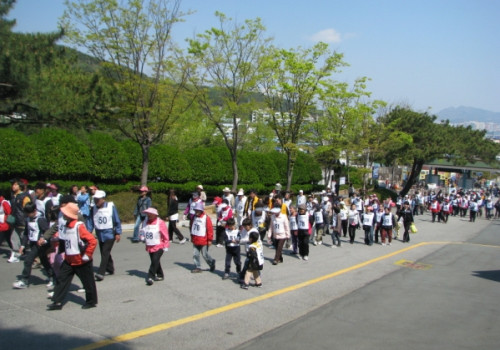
232	241
255	258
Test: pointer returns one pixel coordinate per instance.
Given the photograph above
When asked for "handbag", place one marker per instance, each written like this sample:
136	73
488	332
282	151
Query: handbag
413	228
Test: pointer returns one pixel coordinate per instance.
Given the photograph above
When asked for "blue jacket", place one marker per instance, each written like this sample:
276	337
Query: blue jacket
107	234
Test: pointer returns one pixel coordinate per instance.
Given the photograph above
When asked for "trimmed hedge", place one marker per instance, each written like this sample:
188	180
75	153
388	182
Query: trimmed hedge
97	157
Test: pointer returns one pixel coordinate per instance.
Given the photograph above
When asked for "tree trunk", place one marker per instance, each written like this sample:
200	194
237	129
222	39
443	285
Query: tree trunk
145	165
416	168
234	160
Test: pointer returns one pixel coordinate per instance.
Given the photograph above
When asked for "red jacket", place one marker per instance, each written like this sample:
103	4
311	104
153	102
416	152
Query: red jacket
209	233
7	210
85	236
435	207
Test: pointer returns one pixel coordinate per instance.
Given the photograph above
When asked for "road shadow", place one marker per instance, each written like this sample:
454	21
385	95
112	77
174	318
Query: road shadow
493	275
137	273
23	338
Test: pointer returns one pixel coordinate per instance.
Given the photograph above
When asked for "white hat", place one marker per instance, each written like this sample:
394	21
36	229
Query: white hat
99	194
200	187
300	191
276	210
226	189
325	199
241	192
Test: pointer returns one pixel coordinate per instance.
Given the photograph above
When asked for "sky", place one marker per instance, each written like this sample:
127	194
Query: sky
426	54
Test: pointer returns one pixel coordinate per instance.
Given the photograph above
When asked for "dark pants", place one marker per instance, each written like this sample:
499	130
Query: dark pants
352	233
35	251
472	216
172	227
434	215
344	227
155	269
235	254
378	228
107	264
303	237
278	256
219	235
85	273
406	235
445	216
295	241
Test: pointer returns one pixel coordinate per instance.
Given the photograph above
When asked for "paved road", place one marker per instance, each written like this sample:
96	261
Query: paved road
357	296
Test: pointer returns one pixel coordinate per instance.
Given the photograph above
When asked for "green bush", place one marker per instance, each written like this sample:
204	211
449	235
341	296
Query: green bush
167	164
62	155
109	159
19	156
206	166
134	154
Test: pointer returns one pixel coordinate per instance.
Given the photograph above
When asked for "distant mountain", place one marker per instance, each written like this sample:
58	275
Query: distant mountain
467	114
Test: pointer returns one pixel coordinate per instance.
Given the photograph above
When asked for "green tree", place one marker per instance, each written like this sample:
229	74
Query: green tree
345	125
419	139
291	84
229	59
132	40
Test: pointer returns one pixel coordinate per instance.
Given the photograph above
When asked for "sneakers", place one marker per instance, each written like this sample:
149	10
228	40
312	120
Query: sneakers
14	257
315	243
306	258
300	257
258	285
182	241
196	270
98	277
88	306
50	285
334	246
226	276
158	278
244	286
320	242
20	285
81	290
50	295
219	245
212	267
149	281
383	244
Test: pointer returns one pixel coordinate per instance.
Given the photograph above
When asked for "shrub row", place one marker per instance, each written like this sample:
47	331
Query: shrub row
98	157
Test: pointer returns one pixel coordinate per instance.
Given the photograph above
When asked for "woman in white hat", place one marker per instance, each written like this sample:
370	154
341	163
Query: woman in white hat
154	233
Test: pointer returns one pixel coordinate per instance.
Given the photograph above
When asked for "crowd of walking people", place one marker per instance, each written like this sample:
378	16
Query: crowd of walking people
61	232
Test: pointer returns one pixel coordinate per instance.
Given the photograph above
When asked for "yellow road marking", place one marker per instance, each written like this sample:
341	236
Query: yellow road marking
167	325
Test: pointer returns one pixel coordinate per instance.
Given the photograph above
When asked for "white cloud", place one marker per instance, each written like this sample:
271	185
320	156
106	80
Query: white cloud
327	36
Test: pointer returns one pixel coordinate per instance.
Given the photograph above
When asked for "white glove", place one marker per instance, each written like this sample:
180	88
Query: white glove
85	257
183	217
165	249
